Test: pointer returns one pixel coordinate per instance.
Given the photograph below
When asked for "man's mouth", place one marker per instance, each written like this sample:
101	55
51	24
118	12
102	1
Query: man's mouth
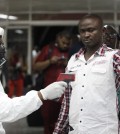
86	41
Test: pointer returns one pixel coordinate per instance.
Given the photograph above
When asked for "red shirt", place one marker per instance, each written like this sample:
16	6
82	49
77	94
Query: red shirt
52	72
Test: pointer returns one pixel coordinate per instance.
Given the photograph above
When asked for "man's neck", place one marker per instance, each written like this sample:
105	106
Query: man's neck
89	52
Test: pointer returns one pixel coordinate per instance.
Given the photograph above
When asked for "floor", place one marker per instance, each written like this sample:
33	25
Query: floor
21	127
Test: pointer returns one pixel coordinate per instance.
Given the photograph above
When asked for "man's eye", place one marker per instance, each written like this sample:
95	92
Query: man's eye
91	30
82	31
87	30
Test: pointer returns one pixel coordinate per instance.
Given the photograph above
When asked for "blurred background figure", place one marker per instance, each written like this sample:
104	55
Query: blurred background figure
35	118
111	37
16	74
35	52
51	61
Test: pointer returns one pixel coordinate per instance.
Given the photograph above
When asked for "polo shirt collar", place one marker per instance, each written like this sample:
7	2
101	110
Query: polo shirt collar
101	51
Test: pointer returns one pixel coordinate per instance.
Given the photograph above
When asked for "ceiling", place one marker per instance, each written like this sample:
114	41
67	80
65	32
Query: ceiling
54	12
58	6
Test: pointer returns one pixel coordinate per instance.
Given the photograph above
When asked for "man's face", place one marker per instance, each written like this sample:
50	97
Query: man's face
90	32
63	43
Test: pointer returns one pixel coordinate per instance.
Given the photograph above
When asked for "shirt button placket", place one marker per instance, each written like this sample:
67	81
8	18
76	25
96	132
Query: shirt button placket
82	97
81	110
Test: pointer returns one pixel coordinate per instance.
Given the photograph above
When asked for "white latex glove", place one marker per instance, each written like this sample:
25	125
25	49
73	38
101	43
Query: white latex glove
54	90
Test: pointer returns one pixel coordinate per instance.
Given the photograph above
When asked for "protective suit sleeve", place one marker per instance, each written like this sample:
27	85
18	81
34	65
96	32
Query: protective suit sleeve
18	107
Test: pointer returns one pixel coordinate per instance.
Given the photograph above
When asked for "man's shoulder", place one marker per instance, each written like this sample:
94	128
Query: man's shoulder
113	54
45	47
111	51
72	60
73	57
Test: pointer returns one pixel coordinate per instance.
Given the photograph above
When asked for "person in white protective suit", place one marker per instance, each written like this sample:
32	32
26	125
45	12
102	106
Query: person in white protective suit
19	107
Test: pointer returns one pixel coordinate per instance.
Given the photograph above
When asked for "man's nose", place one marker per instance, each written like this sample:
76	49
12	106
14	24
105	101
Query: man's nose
66	45
87	34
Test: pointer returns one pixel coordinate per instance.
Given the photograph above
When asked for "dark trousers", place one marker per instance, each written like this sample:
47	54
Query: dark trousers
50	111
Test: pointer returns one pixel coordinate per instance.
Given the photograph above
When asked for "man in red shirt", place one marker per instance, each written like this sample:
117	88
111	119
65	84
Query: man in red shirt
52	61
16	74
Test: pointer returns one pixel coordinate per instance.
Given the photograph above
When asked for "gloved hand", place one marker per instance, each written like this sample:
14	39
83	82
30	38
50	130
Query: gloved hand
54	90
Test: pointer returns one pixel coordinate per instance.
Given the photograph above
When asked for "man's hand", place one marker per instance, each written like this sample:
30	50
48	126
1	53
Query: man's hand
54	59
53	91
